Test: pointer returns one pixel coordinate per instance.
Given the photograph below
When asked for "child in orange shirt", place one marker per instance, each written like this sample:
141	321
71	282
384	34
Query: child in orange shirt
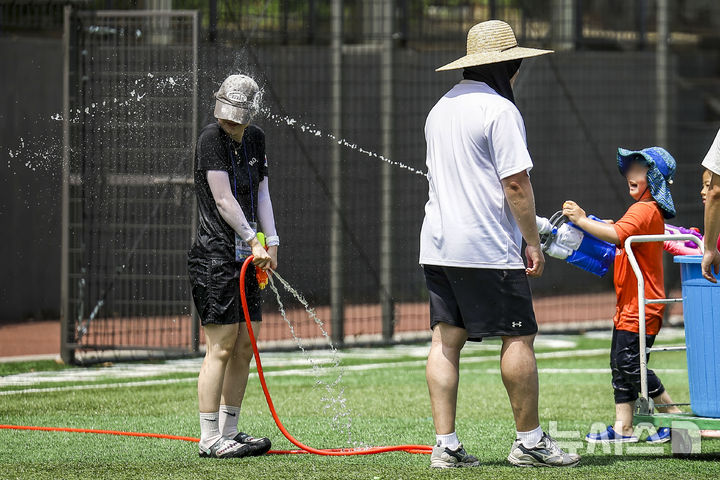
649	173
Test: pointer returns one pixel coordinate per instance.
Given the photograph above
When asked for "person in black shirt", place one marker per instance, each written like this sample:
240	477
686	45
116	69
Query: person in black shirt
231	186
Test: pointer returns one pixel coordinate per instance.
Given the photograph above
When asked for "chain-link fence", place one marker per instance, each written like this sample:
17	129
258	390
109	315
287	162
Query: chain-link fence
345	82
610	84
130	122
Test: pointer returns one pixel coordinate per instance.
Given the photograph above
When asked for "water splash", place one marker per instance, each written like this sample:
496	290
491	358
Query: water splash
311	129
140	89
334	398
44	152
39	153
310	311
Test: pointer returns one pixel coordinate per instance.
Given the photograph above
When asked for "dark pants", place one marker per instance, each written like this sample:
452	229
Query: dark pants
625	366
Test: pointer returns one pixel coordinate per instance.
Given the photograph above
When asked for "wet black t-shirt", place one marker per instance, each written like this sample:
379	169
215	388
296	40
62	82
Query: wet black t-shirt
246	165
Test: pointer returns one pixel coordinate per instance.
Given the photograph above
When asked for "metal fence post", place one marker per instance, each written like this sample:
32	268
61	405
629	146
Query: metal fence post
641	22
386	172
212	21
194	318
579	25
336	232
661	74
66	352
563	24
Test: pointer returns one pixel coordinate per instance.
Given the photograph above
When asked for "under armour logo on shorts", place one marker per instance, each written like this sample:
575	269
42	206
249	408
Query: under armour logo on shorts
516	324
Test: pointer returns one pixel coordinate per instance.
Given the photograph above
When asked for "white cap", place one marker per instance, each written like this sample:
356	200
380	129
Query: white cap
238	99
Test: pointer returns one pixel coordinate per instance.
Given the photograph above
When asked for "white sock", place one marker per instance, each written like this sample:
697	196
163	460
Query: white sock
530	439
229	420
450	441
209	429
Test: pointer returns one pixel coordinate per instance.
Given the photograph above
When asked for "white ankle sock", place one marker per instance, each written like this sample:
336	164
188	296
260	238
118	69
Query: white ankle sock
229	420
450	440
209	429
530	439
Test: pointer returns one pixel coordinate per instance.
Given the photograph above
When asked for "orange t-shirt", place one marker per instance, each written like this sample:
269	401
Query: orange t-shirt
642	218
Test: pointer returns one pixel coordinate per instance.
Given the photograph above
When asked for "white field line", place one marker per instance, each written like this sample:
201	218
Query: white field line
130	370
575	371
270	359
98	386
31	358
302	372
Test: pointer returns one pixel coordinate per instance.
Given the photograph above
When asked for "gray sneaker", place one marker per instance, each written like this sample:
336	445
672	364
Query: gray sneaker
547	453
225	448
443	457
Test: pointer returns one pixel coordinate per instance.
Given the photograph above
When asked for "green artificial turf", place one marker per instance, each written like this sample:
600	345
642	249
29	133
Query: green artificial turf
385	406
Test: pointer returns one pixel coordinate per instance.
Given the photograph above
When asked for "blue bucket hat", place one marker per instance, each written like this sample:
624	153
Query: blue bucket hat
661	168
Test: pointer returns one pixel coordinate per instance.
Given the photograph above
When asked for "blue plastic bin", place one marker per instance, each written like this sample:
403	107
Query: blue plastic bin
701	308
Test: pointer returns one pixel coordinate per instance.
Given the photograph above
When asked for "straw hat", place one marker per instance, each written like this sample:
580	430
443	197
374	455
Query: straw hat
491	42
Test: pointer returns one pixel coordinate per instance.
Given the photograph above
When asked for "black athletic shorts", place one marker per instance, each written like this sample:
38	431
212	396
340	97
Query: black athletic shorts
485	302
625	367
216	290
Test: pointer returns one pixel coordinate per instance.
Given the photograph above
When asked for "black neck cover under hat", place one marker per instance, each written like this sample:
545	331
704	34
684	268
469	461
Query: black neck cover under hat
496	75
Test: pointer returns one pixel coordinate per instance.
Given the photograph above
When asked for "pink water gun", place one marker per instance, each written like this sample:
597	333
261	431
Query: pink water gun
679	247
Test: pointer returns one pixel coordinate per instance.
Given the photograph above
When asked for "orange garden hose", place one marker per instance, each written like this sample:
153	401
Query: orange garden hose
421	449
102	432
304	448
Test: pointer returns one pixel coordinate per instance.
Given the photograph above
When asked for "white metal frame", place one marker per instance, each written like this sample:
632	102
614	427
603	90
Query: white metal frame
642	301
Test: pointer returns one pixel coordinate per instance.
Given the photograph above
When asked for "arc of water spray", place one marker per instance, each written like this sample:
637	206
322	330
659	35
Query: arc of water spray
314	130
335	398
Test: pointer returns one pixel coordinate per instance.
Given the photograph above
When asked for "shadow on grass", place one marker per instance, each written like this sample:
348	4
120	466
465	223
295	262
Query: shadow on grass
609	460
604	460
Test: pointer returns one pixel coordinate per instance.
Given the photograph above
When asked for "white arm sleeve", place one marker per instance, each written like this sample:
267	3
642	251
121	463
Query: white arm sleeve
265	209
227	205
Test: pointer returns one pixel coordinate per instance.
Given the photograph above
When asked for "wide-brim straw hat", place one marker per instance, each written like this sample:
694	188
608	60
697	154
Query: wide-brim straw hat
492	42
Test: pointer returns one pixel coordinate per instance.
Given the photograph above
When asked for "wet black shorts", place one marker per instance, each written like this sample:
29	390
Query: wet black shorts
485	302
216	291
625	367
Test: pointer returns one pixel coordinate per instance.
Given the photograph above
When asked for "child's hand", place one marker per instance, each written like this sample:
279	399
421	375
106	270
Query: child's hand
573	211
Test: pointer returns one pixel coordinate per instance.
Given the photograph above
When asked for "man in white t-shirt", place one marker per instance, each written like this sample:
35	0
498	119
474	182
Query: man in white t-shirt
711	258
480	208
